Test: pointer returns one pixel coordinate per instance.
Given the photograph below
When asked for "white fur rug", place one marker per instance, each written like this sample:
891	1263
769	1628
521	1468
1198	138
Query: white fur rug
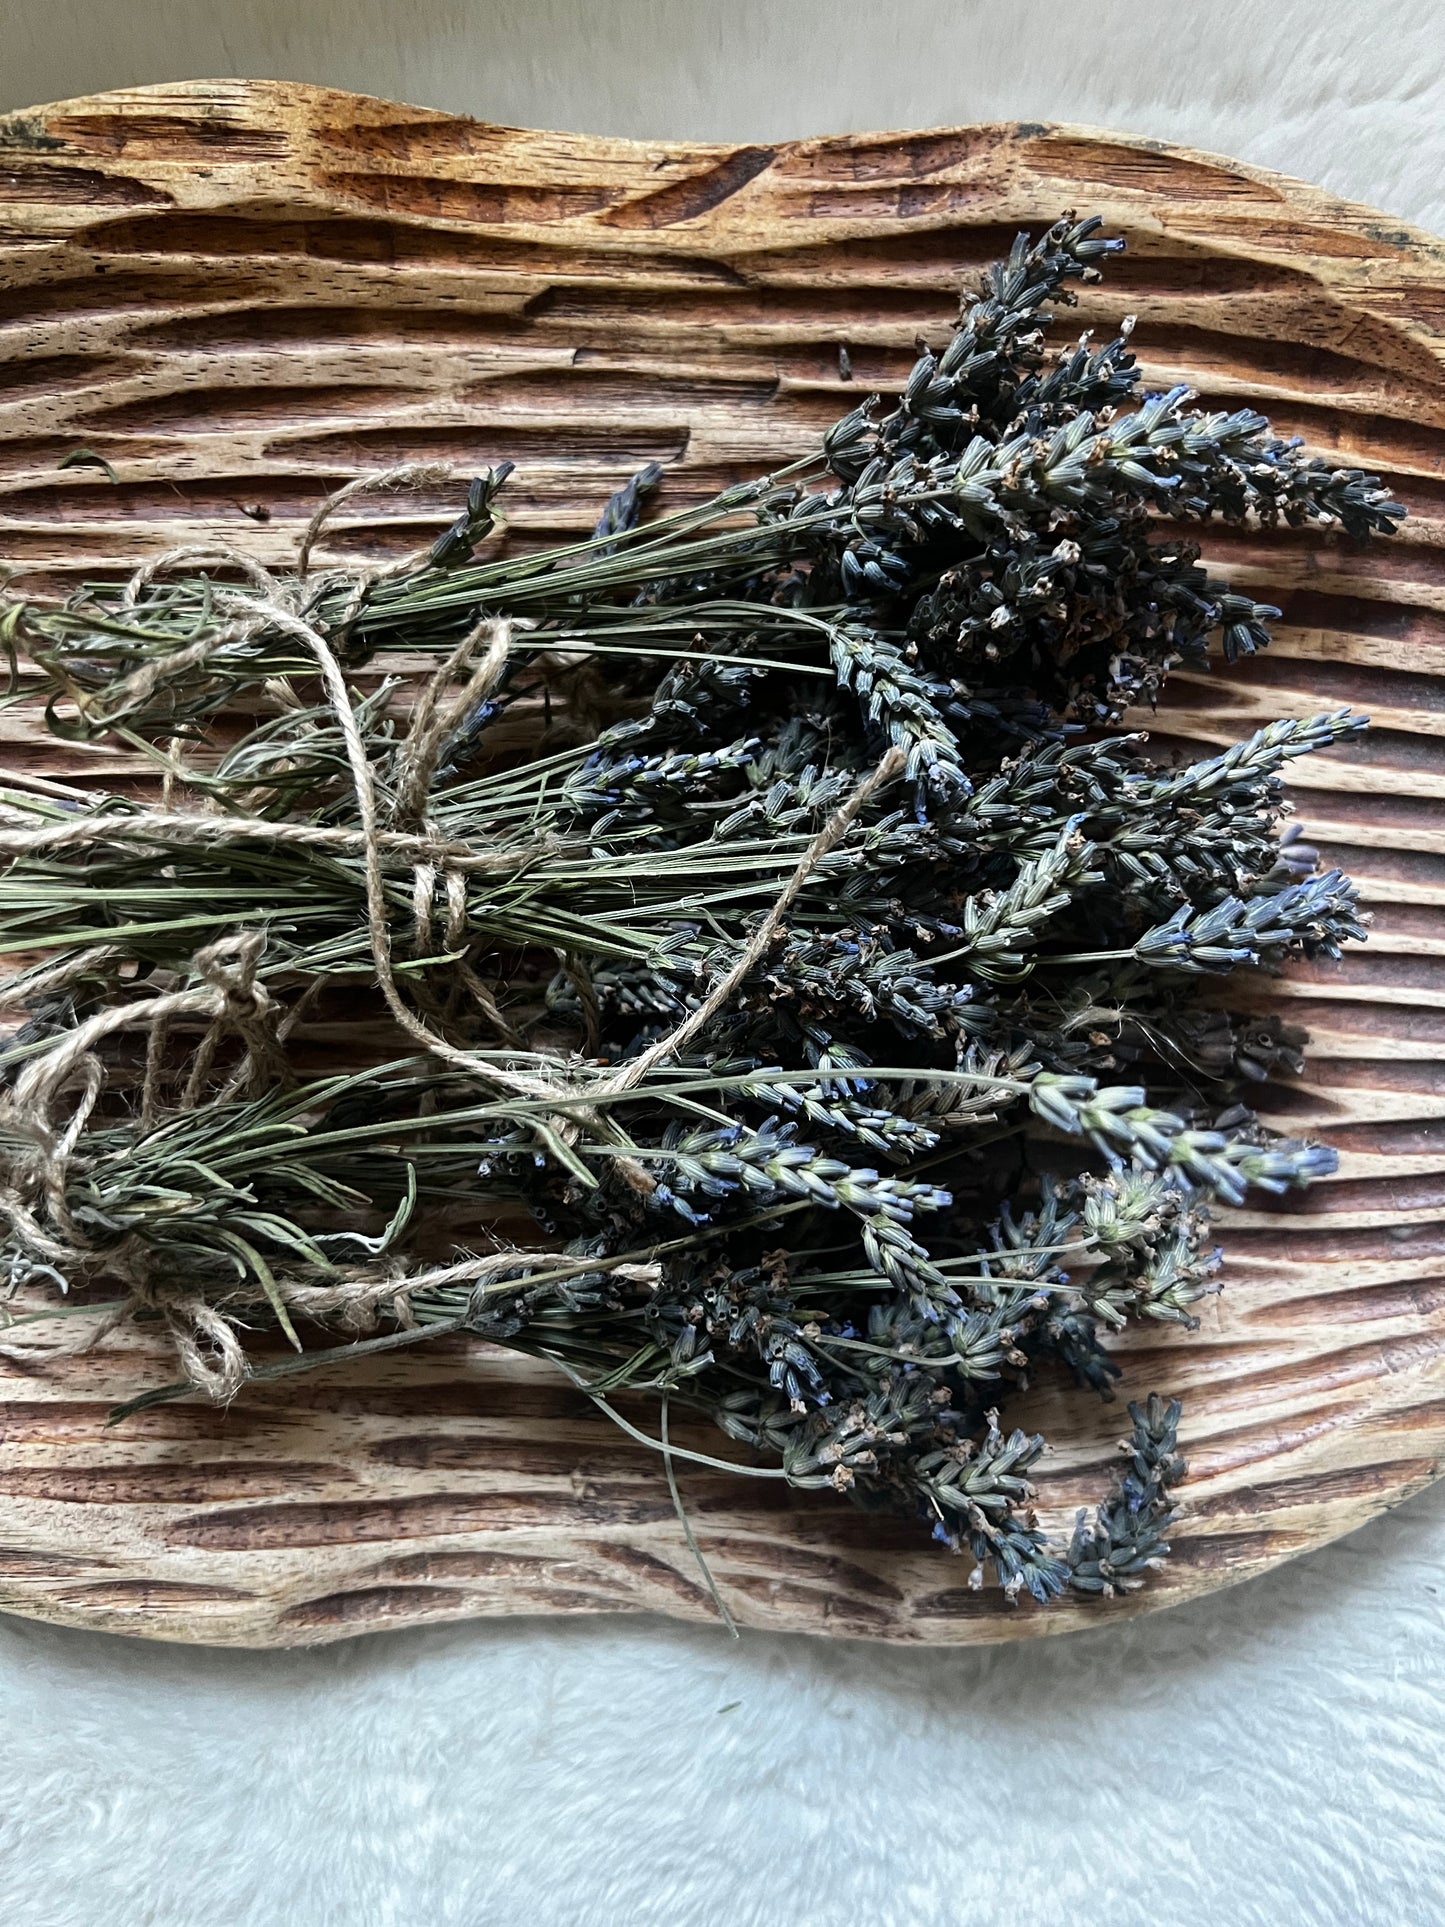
1269	1758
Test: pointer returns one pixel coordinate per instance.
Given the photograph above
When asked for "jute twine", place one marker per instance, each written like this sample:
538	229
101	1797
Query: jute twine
231	999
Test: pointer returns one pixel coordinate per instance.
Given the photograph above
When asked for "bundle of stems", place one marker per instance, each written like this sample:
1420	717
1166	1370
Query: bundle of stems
801	1023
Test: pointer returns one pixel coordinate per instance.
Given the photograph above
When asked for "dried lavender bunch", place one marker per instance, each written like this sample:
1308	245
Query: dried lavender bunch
987	545
226	1215
834	932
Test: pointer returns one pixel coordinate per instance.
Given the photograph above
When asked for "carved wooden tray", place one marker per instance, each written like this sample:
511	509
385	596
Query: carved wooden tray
242	294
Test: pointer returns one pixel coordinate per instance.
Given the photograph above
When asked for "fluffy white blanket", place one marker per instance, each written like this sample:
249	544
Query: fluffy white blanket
1267	1758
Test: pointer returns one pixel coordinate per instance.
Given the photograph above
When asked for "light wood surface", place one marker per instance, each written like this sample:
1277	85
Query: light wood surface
241	294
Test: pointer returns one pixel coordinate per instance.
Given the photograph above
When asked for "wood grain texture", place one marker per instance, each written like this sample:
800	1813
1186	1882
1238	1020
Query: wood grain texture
240	295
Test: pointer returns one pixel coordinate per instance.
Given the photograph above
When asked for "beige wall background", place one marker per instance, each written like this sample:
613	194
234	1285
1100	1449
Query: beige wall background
1269	1757
1349	93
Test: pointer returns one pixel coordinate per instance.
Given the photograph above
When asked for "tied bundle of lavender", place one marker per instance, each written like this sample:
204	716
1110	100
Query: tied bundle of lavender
767	979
